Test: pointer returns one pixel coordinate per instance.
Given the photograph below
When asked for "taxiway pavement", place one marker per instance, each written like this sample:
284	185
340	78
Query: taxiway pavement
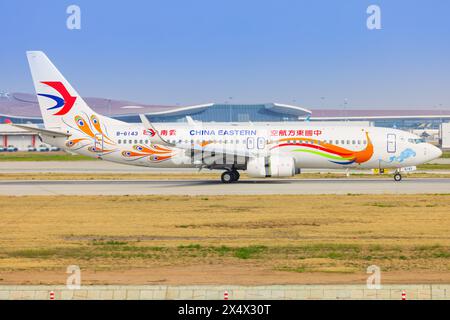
212	187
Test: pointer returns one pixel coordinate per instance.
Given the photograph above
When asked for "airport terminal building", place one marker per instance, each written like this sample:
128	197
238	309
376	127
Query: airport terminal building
23	108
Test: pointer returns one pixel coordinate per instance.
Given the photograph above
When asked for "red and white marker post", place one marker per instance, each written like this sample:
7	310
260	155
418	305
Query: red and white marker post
403	295
52	295
225	295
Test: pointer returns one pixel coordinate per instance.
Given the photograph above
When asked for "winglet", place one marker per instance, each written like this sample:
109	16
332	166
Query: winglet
190	121
156	138
145	121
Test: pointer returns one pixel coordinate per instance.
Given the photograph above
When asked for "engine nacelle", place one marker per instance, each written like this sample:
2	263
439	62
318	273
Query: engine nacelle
272	166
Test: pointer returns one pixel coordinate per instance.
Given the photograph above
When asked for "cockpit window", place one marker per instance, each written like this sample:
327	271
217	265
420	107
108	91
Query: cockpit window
416	141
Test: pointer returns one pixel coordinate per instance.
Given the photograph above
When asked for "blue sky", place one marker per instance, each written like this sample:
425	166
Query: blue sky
311	53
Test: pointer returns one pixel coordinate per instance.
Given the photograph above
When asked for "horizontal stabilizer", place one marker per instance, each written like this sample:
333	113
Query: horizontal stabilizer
42	131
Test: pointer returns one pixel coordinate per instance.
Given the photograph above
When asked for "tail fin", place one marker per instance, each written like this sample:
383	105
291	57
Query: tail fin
58	101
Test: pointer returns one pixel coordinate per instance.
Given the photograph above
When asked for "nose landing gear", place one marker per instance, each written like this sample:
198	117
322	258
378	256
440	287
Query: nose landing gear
397	176
230	176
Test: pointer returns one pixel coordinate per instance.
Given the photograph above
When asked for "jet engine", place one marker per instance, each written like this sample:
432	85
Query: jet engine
271	166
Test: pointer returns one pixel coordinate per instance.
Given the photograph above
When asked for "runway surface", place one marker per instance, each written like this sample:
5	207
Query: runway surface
100	167
208	187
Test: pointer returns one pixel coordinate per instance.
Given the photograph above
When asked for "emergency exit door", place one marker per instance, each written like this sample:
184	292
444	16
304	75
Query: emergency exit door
98	142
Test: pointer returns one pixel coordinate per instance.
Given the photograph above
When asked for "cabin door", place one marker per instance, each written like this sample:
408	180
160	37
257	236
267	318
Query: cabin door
391	143
250	143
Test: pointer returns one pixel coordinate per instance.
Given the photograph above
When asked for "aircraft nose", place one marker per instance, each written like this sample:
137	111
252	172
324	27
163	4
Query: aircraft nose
434	152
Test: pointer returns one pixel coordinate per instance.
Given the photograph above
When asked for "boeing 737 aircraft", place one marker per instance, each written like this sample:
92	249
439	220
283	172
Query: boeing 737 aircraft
263	150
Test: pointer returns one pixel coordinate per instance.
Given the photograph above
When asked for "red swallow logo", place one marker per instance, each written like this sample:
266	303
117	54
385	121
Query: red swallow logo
65	103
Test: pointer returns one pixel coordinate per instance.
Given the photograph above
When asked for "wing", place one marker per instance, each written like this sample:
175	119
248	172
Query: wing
207	149
226	149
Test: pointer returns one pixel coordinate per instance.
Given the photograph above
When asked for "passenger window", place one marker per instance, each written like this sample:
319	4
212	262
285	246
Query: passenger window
353	142
130	141
119	141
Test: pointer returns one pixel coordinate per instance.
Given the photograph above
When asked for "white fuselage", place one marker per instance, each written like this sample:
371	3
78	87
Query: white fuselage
311	145
263	149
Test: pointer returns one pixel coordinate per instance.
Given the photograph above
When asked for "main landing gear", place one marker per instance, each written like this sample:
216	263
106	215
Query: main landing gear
230	176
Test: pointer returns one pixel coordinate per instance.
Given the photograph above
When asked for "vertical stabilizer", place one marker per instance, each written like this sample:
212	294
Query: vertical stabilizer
60	104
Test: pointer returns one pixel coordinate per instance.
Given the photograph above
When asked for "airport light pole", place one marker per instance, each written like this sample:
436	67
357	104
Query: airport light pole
230	99
345	108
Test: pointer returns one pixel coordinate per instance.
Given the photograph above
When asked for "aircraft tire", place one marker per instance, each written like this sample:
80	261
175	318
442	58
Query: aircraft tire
227	177
236	175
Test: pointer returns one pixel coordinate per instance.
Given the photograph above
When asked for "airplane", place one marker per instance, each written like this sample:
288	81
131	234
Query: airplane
263	150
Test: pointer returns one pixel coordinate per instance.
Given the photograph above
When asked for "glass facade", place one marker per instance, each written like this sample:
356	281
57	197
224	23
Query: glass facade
409	123
214	113
229	113
249	112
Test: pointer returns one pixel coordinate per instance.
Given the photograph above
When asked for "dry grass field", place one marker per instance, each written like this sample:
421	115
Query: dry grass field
225	239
